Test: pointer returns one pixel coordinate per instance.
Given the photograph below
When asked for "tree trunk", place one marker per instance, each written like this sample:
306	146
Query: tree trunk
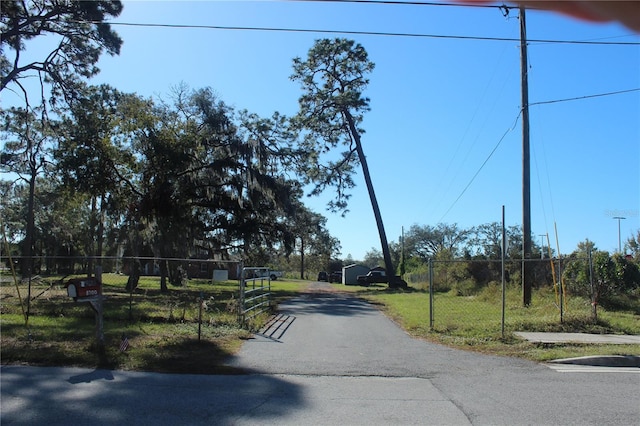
134	276
163	276
27	262
386	253
91	236
28	241
301	258
100	231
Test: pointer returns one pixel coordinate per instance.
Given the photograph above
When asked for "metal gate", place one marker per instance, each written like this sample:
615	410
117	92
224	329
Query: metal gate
255	293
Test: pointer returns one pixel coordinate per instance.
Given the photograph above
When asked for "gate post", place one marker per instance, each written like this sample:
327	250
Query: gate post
241	298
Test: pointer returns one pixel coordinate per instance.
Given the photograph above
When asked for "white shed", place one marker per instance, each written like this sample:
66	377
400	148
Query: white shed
350	273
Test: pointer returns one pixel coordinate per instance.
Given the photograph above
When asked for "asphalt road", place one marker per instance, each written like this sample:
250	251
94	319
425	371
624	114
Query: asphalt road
330	359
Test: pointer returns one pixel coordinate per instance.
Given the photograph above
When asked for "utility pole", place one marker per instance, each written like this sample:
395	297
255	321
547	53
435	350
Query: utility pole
526	175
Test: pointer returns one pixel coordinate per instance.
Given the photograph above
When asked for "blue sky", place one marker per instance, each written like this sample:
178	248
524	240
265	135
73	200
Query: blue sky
439	106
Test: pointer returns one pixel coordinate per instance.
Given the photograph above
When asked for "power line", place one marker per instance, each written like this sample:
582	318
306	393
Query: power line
495	148
445	189
584	97
408	3
504	7
370	33
513	127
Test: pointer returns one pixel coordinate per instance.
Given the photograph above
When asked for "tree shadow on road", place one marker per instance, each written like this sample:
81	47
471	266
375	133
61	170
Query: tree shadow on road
40	395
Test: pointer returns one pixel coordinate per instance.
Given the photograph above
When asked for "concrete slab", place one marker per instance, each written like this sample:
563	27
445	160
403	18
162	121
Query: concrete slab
611	339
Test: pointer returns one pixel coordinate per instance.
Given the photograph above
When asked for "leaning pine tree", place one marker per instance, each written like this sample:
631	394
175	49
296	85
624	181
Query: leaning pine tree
331	110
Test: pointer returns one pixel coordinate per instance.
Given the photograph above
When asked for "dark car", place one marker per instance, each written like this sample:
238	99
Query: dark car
335	277
373	277
322	276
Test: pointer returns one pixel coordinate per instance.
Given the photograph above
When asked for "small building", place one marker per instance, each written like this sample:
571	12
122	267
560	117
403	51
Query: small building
213	269
350	273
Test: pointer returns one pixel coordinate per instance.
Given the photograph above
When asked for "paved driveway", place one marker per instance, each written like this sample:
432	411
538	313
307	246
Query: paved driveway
334	360
327	335
339	335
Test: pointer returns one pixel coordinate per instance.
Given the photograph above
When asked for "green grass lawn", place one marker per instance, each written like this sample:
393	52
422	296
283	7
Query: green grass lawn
167	331
475	322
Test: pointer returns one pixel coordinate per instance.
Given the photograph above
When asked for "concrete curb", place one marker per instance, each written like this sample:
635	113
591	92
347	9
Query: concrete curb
592	339
602	361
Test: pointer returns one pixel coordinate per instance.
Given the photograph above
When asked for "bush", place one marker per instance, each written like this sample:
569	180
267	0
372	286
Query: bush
491	292
612	281
465	287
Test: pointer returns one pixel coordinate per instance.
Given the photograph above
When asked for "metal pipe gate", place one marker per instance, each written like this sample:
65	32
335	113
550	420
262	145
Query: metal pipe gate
255	293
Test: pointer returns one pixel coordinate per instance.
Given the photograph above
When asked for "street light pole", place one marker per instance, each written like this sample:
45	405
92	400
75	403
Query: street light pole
619	241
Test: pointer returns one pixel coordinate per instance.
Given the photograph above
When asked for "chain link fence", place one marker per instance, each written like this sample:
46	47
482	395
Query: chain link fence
460	293
208	289
464	293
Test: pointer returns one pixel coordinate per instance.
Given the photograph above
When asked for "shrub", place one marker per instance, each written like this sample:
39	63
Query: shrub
610	281
465	287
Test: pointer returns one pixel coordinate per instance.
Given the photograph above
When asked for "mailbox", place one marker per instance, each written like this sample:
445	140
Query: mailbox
83	288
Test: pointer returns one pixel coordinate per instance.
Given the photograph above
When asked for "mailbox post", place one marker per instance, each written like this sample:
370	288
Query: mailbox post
89	290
